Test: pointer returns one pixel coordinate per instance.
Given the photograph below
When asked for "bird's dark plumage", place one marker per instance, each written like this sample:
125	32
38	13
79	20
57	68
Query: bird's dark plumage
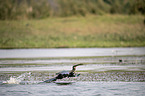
65	74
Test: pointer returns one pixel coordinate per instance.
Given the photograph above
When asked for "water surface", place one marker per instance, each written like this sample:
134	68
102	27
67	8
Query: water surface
76	89
22	72
70	52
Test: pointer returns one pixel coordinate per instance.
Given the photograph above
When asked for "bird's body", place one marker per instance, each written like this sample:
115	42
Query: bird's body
64	74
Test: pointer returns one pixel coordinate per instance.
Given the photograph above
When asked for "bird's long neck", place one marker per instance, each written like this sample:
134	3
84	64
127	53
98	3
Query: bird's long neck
73	69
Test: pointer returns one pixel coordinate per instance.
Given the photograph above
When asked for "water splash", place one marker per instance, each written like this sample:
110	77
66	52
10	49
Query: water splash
17	80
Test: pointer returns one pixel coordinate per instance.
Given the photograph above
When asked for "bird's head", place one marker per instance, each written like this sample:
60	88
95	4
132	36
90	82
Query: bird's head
74	67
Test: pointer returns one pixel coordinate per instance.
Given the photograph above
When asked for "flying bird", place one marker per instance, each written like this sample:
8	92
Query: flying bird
64	74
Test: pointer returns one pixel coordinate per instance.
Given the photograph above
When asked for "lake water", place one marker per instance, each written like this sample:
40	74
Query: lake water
22	72
76	89
70	52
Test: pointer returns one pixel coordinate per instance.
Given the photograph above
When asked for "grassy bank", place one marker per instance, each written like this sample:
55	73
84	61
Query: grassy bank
88	31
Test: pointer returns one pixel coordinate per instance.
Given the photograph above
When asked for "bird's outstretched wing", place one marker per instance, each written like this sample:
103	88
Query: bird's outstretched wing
50	80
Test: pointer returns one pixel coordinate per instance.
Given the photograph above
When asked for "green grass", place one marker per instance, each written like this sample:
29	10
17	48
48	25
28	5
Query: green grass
89	31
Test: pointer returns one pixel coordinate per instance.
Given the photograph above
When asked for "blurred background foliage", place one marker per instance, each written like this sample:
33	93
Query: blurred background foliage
38	9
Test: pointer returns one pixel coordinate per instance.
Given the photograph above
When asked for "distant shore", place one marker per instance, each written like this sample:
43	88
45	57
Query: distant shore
74	32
